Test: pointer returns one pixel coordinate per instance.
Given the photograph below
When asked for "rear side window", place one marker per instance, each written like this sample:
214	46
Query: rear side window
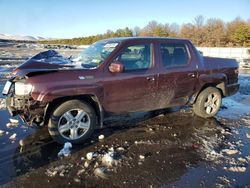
174	54
136	57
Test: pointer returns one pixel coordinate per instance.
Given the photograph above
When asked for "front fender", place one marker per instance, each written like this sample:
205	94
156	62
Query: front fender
70	90
55	95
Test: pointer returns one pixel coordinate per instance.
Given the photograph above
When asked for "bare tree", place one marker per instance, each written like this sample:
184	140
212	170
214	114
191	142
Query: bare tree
174	30
199	37
215	32
199	21
187	31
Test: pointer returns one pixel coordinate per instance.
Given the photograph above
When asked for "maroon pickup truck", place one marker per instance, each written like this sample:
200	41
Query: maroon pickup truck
115	76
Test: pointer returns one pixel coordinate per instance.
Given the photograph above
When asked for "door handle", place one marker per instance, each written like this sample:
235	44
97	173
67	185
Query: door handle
191	75
151	78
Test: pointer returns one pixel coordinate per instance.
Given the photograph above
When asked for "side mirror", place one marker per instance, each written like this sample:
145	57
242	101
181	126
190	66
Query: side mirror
116	67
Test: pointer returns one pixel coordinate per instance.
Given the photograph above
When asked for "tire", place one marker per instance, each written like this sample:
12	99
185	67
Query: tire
73	121
208	102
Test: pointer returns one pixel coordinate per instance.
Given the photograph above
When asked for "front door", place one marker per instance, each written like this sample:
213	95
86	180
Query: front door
134	89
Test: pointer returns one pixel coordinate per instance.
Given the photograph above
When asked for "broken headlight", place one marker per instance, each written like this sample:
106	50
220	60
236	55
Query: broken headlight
23	88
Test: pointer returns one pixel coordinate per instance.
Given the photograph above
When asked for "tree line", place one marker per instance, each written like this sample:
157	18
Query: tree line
212	32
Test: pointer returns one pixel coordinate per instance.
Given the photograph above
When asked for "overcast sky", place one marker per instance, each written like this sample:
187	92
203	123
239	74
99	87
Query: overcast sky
76	18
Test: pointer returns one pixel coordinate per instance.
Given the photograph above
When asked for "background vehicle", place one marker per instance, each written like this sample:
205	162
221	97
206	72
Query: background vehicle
244	63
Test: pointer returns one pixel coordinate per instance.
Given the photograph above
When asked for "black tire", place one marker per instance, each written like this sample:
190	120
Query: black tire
208	102
71	118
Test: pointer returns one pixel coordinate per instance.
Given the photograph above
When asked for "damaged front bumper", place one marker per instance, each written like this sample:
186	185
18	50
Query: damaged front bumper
31	111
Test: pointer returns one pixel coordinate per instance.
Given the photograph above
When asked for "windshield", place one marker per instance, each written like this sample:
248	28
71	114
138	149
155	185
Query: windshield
93	56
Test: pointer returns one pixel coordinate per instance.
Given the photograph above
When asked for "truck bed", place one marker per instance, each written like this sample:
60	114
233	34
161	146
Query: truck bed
223	65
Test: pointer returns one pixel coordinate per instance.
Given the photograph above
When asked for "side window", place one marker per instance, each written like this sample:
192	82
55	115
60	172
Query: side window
174	54
136	57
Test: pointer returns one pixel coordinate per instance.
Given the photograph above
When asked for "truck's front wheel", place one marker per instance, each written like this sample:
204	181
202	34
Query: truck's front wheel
72	121
208	102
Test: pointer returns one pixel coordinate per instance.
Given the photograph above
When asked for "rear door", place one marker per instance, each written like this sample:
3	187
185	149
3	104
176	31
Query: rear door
178	76
135	88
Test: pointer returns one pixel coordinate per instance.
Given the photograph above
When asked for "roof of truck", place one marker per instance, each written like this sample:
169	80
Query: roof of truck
121	39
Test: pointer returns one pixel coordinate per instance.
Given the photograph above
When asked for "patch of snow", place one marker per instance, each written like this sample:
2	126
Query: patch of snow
111	149
65	152
120	149
161	115
243	160
2	104
101	161
150	129
225	181
89	156
80	172
86	164
82	158
61	170
238	104
10	125
100	172
235	106
208	145
248	135
141	157
230	151
247	121
101	137
8	66
148	142
140	163
13	137
108	160
50	173
14	121
235	169
248	158
1	132
231	161
77	180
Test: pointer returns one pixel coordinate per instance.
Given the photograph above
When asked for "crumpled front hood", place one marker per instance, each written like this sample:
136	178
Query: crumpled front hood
46	61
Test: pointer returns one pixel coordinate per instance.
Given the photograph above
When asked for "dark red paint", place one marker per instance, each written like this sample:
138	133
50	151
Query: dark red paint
141	90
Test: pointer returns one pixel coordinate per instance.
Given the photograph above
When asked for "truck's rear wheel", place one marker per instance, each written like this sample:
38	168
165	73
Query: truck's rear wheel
72	121
208	102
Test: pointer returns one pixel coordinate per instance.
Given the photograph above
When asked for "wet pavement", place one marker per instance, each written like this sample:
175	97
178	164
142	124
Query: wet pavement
171	148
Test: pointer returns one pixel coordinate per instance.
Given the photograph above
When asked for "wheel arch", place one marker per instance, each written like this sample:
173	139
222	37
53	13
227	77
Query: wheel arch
220	86
89	98
217	80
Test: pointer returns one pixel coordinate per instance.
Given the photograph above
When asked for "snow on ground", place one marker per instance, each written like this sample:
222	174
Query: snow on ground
65	152
234	106
98	163
2	104
238	104
20	37
9	66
